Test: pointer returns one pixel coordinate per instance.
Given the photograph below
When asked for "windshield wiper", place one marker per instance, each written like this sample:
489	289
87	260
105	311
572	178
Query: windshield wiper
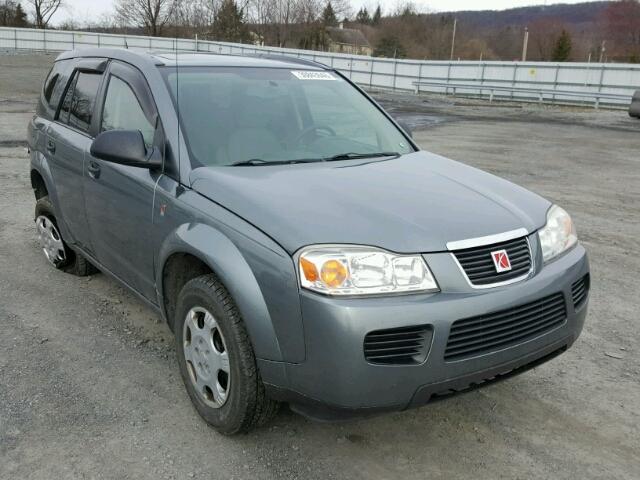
356	156
258	162
249	163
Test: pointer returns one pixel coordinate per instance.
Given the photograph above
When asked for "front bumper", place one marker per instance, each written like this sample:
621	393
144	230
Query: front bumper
335	379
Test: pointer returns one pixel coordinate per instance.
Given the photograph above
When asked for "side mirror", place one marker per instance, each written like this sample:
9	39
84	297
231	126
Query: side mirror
125	147
405	126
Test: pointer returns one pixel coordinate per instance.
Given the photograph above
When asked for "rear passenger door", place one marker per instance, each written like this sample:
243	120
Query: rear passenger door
119	198
68	138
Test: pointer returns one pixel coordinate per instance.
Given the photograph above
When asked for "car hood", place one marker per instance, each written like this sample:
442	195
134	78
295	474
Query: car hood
412	204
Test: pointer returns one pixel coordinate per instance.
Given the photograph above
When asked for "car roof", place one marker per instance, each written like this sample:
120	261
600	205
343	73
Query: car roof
170	58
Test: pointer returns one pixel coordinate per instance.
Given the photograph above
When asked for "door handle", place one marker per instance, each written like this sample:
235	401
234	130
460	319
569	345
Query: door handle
94	169
51	146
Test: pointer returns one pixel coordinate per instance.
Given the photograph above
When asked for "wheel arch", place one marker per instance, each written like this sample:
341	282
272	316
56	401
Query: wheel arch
194	250
38	184
43	185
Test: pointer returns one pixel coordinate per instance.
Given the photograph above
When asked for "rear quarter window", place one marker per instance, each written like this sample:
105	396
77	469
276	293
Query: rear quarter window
53	88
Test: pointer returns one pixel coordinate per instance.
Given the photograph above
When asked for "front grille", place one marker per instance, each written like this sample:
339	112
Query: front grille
398	346
487	333
579	291
478	264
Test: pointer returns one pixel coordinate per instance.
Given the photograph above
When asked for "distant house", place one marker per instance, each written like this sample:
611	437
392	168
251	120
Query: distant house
347	40
256	39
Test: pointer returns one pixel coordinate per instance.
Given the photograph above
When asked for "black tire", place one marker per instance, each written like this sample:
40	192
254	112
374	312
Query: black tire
247	405
74	263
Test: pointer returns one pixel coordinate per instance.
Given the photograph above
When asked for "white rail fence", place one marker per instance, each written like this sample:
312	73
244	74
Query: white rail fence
587	78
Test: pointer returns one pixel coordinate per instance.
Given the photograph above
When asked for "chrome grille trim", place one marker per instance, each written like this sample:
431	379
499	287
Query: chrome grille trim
487	240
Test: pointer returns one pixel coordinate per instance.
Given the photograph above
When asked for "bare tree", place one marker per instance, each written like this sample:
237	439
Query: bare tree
196	16
151	15
260	13
43	10
279	15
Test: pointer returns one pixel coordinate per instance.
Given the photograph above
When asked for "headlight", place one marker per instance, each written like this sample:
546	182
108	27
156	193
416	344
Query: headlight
558	235
351	270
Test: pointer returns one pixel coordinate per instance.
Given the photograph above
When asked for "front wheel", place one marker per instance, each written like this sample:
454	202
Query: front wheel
216	359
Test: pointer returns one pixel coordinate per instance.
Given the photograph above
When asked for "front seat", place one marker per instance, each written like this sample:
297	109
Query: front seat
205	122
251	137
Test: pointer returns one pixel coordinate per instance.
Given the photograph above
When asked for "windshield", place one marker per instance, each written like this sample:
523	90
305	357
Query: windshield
258	116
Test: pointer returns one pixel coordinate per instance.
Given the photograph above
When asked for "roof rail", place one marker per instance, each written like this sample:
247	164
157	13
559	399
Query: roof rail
287	58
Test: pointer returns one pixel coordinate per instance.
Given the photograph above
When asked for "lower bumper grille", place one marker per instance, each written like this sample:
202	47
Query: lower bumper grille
398	346
579	291
493	331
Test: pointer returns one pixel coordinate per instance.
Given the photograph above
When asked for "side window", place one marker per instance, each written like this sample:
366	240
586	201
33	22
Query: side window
53	88
77	106
65	108
122	111
83	101
50	84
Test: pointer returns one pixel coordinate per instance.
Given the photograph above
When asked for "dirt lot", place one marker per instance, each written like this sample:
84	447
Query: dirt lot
89	386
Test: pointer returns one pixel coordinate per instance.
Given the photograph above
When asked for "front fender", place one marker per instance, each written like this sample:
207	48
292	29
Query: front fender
223	257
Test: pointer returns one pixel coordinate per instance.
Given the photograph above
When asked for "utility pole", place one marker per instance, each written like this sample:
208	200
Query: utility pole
453	39
525	45
602	50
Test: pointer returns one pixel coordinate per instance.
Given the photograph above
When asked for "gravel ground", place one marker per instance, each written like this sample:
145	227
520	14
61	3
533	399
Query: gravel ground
89	385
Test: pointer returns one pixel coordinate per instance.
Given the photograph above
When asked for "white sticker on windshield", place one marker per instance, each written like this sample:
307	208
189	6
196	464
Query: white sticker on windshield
313	75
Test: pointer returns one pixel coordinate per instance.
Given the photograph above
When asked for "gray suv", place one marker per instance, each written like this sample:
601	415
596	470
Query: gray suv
299	244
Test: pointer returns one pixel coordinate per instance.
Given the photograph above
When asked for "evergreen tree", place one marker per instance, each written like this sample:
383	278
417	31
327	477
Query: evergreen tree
20	17
562	50
363	16
229	23
329	16
6	14
390	47
12	14
377	15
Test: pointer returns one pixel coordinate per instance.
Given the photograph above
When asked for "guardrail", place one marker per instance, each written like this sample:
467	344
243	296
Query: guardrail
617	80
528	93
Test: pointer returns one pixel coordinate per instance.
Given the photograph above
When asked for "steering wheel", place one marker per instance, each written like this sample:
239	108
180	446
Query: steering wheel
314	128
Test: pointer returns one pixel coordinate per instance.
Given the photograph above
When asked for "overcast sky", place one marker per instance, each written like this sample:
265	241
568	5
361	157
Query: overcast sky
82	10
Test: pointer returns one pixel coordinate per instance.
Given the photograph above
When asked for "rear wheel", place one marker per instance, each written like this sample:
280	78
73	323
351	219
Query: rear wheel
216	359
55	250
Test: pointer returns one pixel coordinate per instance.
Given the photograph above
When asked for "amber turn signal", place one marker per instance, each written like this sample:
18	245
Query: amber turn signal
309	270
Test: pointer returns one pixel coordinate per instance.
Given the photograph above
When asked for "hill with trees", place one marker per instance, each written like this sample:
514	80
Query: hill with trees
596	31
